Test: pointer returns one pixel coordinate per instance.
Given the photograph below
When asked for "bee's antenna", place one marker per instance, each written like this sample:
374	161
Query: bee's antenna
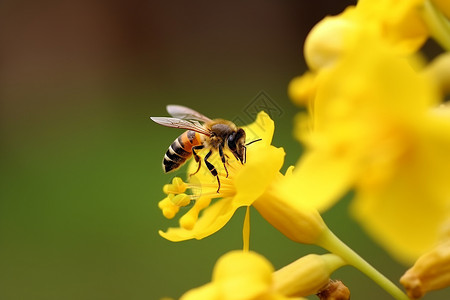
249	143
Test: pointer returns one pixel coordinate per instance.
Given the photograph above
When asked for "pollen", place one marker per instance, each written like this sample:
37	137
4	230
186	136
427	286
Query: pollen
169	209
181	200
176	187
181	194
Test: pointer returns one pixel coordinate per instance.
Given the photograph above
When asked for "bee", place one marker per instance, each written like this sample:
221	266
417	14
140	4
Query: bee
202	132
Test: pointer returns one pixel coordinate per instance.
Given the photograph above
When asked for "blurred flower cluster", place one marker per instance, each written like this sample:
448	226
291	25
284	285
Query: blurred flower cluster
376	123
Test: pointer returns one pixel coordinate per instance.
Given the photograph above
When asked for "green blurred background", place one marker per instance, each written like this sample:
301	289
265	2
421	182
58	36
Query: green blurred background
81	161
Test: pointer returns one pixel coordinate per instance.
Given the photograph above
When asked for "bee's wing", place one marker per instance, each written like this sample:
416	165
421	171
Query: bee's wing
183	124
186	113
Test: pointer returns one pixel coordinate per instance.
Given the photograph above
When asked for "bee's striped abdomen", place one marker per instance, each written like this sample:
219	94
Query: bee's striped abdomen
180	150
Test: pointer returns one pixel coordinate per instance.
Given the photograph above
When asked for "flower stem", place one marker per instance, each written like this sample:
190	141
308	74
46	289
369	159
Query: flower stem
246	231
333	244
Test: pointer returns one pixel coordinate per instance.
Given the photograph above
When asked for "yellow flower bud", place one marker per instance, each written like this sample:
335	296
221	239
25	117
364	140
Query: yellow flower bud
430	272
327	41
239	275
301	89
297	221
307	275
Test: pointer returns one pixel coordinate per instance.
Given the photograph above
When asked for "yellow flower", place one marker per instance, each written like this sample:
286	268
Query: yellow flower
397	24
288	211
244	184
242	275
260	184
255	183
430	272
372	129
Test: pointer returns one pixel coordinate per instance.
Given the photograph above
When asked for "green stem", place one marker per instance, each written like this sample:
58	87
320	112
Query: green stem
437	24
333	244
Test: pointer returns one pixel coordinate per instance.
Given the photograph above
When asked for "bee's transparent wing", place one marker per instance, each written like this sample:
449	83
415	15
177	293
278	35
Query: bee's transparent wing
186	113
183	124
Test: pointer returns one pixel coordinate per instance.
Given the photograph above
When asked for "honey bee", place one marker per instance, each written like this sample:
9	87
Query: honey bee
202	132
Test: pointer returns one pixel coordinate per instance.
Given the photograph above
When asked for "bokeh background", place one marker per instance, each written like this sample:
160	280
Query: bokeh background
81	174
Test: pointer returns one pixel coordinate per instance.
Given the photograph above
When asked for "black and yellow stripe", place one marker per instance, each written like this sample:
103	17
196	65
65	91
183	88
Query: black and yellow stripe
180	150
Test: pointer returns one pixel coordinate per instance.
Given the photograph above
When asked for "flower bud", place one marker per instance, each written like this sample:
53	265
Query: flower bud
237	275
430	272
327	41
300	223
307	275
302	89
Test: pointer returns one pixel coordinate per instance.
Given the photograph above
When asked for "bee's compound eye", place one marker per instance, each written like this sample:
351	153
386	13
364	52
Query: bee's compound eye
232	141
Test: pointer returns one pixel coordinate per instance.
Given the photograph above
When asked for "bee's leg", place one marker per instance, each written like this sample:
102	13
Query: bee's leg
222	156
197	158
211	168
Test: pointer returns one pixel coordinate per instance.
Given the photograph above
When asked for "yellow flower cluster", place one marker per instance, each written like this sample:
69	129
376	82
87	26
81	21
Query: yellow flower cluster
375	124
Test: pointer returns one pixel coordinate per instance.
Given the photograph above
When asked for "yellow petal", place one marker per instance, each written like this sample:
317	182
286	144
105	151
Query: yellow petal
399	22
406	214
212	219
261	168
329	39
301	89
243	275
320	179
237	263
400	217
206	292
262	128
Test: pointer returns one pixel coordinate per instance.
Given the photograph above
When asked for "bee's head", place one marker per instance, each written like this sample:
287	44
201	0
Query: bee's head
236	143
